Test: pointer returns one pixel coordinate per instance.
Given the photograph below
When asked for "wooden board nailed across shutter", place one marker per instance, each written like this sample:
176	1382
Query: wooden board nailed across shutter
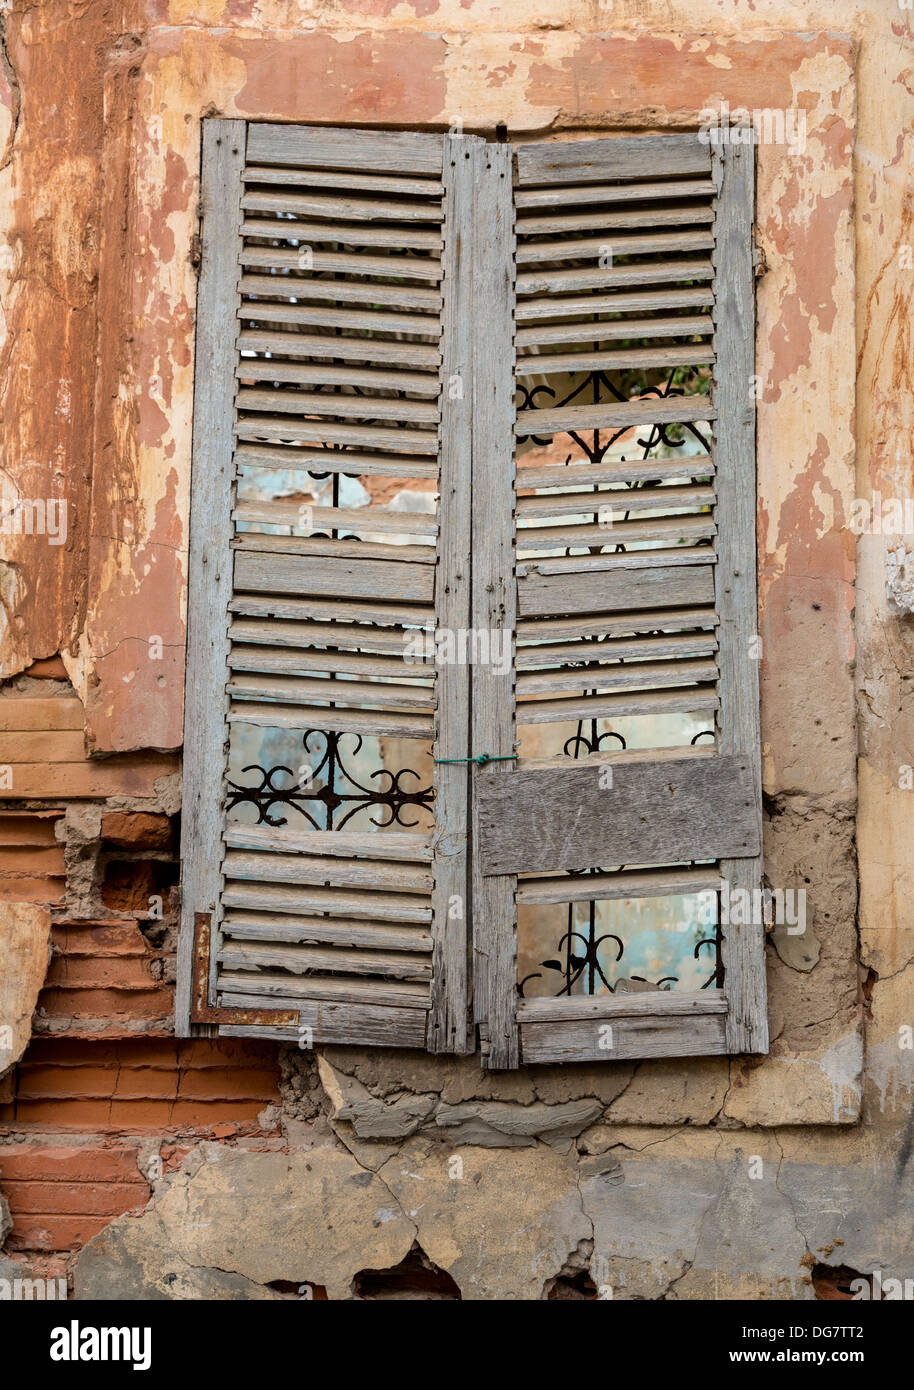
327	847
634	538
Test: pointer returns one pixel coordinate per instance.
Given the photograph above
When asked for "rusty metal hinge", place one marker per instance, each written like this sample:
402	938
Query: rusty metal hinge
201	1011
196	251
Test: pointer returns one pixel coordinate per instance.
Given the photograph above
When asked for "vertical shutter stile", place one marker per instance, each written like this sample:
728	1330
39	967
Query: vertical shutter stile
743	945
210	575
318	921
494	584
449	1022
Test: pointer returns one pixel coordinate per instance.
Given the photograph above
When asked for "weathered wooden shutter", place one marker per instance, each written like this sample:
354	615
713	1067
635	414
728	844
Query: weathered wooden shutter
333	340
630	253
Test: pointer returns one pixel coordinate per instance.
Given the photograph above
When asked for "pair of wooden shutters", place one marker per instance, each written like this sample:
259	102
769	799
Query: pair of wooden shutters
392	306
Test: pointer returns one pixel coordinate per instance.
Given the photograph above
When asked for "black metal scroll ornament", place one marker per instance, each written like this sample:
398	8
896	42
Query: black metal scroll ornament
325	787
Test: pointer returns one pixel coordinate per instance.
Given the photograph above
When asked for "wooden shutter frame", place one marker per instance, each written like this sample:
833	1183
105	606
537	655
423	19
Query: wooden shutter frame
678	1023
226	146
476	432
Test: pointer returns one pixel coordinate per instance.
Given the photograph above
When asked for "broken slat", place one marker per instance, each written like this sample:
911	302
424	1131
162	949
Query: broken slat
392	723
355	349
303	960
393	845
304	899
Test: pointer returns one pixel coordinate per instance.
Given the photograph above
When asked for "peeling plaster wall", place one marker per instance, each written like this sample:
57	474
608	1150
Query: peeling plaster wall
694	1179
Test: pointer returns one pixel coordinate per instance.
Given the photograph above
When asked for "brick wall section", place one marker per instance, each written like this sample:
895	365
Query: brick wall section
101	982
62	1196
70	1137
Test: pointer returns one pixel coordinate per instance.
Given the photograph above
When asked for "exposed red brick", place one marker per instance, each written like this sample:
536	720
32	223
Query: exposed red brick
137	830
74	1198
77	1002
49	669
69	1163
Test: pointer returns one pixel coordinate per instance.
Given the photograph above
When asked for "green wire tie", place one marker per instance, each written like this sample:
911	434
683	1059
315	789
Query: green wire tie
481	759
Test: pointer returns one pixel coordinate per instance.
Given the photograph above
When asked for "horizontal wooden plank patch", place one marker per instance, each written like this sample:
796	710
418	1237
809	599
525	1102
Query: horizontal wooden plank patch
647	1003
593	1040
652	813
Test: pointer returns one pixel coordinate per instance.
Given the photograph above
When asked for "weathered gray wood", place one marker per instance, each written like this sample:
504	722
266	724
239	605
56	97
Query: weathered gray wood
631	1037
322	432
596	277
566	503
448	1029
671	529
635	244
494	586
357	349
644	301
365	1025
346	233
294	661
328	374
610	471
693	699
396	845
653	813
210	577
596	625
341	407
397	152
346	291
344	205
302	574
348	549
614	415
303	690
412	615
394	723
274	987
622	676
289	176
661	557
302	960
562	222
628	1003
613	649
332	460
595	161
545	331
306	636
743	947
376	519
350	902
627	883
266	926
343	262
271	865
577	592
574	195
533	364
359	320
